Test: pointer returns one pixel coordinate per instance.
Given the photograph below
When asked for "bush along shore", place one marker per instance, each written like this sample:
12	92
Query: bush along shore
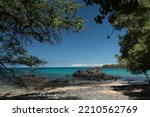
93	74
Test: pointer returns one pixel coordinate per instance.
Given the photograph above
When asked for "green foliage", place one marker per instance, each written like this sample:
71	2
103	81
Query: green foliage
23	22
112	9
137	54
112	66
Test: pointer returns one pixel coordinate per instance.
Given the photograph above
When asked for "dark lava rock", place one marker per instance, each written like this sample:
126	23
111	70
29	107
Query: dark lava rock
93	74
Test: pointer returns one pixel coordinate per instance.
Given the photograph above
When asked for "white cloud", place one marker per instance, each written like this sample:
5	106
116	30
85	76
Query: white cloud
85	65
78	65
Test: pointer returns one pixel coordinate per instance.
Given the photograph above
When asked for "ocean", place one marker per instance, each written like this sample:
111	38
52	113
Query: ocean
66	72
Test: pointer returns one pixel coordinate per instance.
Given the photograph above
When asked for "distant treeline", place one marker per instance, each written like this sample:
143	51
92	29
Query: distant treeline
112	66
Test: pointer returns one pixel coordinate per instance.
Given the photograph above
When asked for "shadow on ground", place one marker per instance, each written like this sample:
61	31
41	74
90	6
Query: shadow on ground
38	96
134	91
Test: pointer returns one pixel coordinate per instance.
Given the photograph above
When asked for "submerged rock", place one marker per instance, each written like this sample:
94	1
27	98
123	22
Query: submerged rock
93	74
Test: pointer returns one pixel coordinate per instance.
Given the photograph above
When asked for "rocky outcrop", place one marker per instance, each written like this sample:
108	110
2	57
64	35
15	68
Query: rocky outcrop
93	74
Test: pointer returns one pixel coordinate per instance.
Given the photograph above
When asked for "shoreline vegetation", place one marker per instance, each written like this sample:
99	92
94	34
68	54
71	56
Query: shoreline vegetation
89	84
112	66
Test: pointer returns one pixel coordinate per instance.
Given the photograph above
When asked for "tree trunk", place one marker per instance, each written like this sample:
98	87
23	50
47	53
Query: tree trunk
147	77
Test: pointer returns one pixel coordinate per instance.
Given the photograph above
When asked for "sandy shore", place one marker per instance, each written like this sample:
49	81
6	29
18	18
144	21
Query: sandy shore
109	90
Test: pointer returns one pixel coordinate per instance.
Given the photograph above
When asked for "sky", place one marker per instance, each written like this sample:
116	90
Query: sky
89	47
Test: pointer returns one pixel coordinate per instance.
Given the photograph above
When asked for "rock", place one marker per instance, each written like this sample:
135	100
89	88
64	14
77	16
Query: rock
56	81
93	74
6	94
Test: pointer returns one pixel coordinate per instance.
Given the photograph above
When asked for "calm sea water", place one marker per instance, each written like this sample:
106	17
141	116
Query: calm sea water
66	72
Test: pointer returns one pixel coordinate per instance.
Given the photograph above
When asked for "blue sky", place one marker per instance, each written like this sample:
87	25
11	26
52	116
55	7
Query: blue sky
89	47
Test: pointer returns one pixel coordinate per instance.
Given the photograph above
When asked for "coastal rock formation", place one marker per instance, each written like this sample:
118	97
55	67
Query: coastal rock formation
93	74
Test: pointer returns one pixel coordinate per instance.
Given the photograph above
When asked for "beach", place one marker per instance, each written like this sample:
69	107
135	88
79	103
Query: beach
78	90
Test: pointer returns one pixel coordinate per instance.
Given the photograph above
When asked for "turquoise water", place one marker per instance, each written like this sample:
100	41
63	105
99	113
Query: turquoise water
66	72
124	74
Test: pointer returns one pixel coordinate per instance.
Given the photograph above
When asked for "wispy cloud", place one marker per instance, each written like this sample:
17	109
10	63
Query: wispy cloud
85	65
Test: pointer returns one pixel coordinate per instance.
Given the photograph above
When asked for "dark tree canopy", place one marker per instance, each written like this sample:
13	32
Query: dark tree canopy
122	13
23	22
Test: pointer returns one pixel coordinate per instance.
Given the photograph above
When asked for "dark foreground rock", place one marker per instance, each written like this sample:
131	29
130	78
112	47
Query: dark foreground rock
93	74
